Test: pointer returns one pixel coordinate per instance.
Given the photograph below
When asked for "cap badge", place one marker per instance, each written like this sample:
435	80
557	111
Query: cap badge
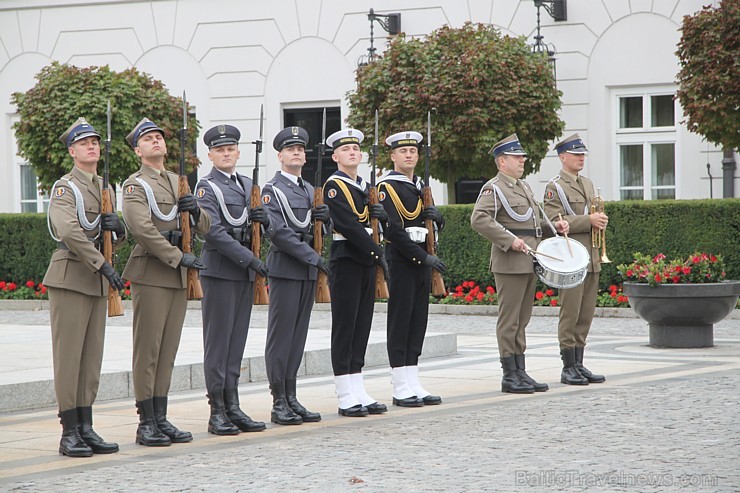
294	130
349	132
222	129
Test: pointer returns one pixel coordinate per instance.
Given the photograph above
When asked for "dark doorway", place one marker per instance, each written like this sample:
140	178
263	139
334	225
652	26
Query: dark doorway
310	119
467	190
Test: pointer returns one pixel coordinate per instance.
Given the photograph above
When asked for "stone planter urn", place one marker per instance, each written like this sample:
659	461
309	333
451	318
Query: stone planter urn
682	315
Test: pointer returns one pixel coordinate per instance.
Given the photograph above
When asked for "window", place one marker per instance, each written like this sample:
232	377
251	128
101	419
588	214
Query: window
31	199
646	145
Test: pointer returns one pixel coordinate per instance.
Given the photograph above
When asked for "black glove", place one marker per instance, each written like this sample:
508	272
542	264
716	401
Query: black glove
187	203
324	267
110	222
432	213
191	261
259	267
113	278
435	263
378	212
383	265
260	215
320	213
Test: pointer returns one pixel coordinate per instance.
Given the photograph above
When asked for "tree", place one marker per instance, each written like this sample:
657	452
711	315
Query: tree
64	93
709	78
480	86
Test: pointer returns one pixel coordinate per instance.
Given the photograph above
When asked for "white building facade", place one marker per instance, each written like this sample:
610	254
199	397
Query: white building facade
616	67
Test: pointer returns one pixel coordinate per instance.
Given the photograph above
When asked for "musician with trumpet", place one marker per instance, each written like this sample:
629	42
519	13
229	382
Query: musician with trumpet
506	214
571	196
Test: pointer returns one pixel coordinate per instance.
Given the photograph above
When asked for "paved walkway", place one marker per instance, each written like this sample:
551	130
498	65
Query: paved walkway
665	420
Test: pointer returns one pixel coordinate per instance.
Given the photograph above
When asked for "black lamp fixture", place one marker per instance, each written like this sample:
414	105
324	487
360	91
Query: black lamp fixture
391	23
558	10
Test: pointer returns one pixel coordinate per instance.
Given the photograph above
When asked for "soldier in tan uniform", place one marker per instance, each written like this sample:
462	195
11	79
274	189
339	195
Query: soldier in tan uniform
571	196
508	216
77	279
157	270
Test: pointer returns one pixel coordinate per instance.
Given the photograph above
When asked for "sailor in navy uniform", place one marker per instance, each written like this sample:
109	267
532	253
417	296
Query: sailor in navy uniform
400	193
293	266
228	283
354	257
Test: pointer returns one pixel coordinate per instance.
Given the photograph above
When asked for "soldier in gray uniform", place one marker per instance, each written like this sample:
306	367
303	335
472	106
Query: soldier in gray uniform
293	266
507	215
228	283
77	279
570	194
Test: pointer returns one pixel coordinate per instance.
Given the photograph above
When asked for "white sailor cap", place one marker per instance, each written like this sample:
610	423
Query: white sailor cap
402	139
345	136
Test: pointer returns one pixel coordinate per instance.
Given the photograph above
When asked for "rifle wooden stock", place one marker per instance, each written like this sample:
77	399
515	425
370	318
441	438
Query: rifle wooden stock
322	281
261	297
381	287
438	284
115	306
195	291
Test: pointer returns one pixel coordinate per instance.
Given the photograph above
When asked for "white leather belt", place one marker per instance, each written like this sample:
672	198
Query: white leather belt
340	236
417	234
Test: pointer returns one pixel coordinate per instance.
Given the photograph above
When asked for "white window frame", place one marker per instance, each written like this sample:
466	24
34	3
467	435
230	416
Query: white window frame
646	136
41	201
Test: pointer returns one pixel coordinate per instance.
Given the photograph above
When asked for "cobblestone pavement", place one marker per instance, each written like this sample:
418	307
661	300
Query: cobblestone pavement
619	444
665	420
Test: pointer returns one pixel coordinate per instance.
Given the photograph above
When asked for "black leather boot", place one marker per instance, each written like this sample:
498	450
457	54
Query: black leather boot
72	444
524	378
591	377
160	414
511	382
92	439
236	415
290	395
281	413
570	374
148	433
219	423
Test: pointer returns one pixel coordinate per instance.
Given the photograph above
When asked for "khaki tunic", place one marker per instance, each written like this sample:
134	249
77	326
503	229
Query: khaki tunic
158	283
577	304
513	271
77	293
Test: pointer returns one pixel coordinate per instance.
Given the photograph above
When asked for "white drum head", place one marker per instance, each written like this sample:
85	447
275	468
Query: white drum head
558	248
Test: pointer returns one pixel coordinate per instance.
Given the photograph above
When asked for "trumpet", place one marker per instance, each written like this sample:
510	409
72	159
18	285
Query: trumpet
598	236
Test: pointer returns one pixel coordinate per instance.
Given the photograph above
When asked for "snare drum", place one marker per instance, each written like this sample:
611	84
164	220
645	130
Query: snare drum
569	272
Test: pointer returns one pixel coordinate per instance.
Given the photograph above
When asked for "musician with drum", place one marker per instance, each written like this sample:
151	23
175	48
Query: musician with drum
571	196
506	213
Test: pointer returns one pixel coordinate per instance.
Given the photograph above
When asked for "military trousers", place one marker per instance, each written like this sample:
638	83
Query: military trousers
77	340
158	317
515	299
577	308
287	326
408	312
227	309
352	287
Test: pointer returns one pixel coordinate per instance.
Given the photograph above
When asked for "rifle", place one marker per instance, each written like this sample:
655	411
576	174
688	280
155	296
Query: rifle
381	287
261	296
322	282
115	307
195	292
438	284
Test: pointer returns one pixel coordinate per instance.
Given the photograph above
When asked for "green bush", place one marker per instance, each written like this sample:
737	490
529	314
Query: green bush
672	227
